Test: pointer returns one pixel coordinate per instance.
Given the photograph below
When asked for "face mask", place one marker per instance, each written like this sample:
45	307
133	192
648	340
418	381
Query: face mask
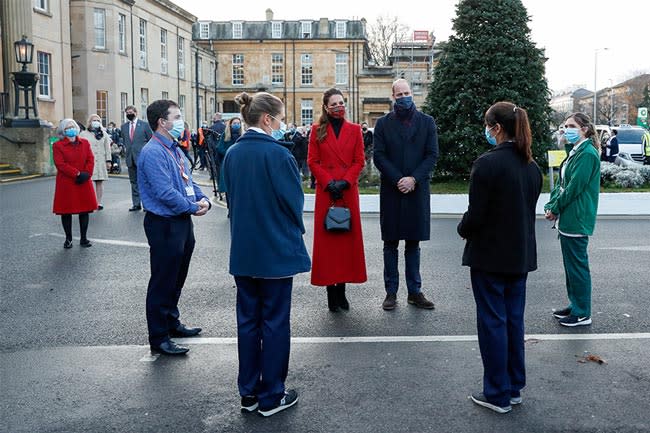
404	103
235	127
177	128
95	124
130	116
572	135
337	112
278	134
489	138
364	128
70	132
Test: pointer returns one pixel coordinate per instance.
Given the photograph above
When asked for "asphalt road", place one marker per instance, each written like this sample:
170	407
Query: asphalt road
75	356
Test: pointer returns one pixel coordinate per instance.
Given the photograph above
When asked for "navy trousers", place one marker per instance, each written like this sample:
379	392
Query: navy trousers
171	243
500	302
411	265
263	337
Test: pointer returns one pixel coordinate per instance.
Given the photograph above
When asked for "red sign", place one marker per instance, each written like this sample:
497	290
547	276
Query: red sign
420	35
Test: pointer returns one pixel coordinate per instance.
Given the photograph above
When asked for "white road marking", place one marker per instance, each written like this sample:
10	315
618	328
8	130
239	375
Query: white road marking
220	341
638	248
109	241
150	357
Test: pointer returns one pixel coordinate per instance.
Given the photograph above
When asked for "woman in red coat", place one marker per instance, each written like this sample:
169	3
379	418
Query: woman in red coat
336	158
74	192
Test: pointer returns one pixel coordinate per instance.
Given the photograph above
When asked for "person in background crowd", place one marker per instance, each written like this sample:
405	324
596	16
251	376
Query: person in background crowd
117	147
646	147
100	143
405	152
184	143
228	138
573	205
73	192
500	249
299	151
367	142
218	125
611	148
336	159
170	197
135	134
266	203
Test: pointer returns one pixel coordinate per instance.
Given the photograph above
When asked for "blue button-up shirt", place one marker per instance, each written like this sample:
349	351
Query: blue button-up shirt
162	187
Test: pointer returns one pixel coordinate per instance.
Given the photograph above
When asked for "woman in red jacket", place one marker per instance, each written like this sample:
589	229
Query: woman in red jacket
74	193
336	158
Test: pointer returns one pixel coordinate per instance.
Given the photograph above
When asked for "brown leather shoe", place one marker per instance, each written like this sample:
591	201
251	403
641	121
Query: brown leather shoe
420	301
390	302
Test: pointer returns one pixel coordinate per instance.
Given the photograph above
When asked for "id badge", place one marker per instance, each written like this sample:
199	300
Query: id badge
189	190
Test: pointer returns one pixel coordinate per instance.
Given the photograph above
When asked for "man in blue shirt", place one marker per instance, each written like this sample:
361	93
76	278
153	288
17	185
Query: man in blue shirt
170	197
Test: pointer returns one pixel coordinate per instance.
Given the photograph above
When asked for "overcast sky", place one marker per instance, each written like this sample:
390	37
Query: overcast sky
570	31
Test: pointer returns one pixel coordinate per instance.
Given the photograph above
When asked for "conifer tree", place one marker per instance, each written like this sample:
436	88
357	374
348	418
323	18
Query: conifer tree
490	58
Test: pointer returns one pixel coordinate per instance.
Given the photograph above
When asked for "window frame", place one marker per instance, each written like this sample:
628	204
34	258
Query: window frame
277	69
144	102
181	57
121	34
164	53
306	106
340	29
237	30
142	43
101	30
45	77
101	105
305	25
276	29
341	69
238	69
306	77
204	30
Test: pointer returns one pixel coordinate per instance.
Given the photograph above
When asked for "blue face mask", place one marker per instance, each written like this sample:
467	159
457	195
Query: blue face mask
490	139
572	135
235	127
70	132
177	129
278	134
404	103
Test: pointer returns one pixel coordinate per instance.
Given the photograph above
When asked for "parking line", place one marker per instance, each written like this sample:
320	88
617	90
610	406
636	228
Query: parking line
109	241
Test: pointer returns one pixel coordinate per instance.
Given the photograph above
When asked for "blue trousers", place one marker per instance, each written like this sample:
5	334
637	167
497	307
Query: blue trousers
500	302
263	337
171	243
411	265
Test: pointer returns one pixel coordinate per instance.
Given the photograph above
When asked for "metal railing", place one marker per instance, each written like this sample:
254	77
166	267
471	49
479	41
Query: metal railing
4	106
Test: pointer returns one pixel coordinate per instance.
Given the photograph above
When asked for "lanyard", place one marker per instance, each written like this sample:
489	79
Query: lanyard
181	164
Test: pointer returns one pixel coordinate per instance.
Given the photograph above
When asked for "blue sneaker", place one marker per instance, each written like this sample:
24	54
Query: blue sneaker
480	399
290	398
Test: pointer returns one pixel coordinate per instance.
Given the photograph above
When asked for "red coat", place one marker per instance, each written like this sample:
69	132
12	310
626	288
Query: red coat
337	257
70	158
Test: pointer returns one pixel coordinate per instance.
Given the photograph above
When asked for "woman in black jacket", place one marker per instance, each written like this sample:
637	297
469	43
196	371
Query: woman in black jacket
499	227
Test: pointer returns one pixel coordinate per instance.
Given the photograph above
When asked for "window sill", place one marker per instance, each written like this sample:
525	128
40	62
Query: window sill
42	12
123	53
45	99
99	50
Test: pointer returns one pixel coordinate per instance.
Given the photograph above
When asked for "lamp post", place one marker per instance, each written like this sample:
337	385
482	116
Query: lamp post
594	120
25	81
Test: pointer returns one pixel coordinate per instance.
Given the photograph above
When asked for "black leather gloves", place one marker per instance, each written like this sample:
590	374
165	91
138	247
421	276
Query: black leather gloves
82	177
336	188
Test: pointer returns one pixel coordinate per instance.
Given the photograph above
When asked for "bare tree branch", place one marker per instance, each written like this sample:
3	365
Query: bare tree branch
382	35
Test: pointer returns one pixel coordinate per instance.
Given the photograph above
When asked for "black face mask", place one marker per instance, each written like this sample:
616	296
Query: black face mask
130	116
364	128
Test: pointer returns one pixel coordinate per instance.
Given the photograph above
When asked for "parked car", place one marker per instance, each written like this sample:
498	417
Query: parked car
630	140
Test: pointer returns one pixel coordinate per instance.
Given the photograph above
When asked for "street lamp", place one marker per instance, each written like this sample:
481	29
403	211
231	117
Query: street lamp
595	82
25	81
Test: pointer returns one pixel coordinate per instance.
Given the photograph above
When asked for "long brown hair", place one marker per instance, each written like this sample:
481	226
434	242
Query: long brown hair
584	121
514	121
323	120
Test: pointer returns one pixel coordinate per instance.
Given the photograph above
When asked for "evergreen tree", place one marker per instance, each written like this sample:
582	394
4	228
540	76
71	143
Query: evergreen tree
489	59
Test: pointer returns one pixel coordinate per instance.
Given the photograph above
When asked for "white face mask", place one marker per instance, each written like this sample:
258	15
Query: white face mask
95	124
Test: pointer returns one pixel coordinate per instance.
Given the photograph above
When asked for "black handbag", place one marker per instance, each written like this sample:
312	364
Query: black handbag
337	219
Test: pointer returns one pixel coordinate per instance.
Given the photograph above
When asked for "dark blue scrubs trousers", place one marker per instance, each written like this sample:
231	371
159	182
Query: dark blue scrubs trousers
500	302
171	243
411	267
263	337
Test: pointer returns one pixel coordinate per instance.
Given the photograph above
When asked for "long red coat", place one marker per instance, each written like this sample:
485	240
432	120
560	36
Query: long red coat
70	158
337	257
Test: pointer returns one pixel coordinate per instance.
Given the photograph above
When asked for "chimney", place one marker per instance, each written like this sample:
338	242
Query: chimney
269	15
323	27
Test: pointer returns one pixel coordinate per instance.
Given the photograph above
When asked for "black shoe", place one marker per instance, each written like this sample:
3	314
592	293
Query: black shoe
332	300
135	208
561	314
420	301
390	302
290	398
169	348
100	207
67	244
85	243
183	331
340	294
480	399
572	321
249	403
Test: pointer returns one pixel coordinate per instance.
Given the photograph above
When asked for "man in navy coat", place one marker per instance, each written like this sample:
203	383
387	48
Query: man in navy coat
405	152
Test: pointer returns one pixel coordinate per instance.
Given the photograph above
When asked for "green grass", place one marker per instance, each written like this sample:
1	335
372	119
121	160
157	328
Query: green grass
462	187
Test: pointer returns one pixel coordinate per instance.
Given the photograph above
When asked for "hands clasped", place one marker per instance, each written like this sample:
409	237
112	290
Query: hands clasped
336	188
204	206
406	184
82	177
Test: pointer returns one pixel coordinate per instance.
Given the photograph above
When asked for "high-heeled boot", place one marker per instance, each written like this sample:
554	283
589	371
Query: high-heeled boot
332	299
342	300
